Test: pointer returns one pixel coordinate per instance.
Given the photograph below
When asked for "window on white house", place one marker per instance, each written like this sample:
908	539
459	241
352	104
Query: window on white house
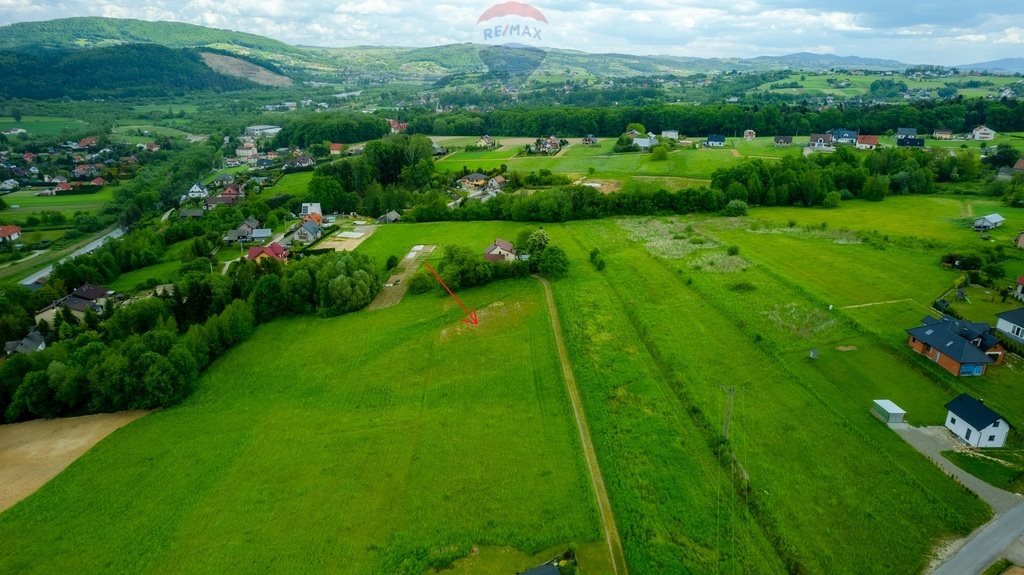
1017	331
952	420
991	437
996	424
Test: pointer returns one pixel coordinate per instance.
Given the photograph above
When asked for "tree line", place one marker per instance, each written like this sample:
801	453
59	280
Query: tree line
958	115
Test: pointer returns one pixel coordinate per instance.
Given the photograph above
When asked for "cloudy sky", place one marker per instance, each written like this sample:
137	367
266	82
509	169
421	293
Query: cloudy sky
934	32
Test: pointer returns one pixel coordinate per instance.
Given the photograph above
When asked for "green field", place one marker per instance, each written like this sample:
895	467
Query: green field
29	204
295	185
860	85
43	125
376	442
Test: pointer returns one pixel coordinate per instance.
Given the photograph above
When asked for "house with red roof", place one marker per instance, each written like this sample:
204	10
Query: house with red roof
397	127
98	182
9	233
337	149
28	157
275	251
62	187
867	142
87	142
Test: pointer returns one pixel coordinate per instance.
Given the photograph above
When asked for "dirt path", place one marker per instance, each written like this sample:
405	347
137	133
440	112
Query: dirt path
603	503
34	452
877	303
394	290
736	153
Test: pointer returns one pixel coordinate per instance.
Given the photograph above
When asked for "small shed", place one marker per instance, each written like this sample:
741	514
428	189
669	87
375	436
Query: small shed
887	411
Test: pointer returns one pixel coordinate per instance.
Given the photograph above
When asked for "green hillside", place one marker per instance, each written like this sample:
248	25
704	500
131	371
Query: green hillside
114	71
90	31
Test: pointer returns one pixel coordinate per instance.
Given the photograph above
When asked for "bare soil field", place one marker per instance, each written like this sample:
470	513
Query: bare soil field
347	244
246	70
34	452
394	289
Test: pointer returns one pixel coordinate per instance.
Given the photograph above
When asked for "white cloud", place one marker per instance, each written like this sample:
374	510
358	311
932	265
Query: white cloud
939	31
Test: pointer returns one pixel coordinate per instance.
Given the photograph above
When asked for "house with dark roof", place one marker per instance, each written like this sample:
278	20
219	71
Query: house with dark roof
93	293
715	141
476	180
76	305
910	143
500	251
308	232
843	136
390	218
820	141
1011	323
243	233
783	141
31	343
960	347
975	423
902	133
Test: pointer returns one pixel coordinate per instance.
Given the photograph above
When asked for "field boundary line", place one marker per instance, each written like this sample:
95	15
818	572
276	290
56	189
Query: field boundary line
596	479
872	304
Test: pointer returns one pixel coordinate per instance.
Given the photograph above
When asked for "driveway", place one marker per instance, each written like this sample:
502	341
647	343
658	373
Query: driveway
990	541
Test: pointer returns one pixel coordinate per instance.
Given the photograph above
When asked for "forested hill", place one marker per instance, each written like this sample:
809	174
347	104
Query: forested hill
130	70
97	32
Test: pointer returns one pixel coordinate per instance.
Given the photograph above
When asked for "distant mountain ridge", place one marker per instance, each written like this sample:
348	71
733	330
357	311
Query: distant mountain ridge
1005	65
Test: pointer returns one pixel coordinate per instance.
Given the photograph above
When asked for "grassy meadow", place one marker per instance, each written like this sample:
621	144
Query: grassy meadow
43	125
377	442
27	203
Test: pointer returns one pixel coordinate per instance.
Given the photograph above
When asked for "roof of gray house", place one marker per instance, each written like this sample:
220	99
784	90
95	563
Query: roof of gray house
973	411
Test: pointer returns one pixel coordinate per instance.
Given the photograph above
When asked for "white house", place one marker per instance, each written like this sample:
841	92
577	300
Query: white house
262	131
9	233
311	209
645	143
198	191
670	134
715	141
500	251
991	221
1011	323
975	423
983	133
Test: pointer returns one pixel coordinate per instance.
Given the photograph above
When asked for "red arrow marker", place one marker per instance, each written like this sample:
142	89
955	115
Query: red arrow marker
470	315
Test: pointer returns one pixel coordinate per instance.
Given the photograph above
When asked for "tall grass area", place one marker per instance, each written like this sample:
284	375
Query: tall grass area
820	470
379	442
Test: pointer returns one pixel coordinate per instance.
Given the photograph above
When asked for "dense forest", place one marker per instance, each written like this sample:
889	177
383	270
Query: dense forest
344	128
132	70
731	120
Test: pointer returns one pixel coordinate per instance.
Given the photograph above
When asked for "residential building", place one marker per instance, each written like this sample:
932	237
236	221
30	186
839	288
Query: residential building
749	135
198	192
1011	323
820	141
31	343
486	141
337	149
715	141
9	234
262	131
781	141
983	133
910	142
497	183
975	423
867	142
670	134
500	251
960	347
310	208
645	144
943	134
476	180
843	136
390	218
308	233
902	133
273	251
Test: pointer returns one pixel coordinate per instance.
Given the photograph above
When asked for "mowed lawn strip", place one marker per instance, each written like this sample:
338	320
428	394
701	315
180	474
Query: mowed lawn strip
821	469
377	442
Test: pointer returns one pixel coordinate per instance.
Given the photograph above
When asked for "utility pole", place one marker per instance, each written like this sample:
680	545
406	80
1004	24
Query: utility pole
728	412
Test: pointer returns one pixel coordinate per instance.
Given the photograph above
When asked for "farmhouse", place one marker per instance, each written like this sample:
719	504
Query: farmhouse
500	251
31	343
749	135
715	141
943	134
887	411
975	423
9	234
1011	323
496	184
486	141
989	222
983	133
820	141
910	142
273	251
867	142
960	347
783	141
590	140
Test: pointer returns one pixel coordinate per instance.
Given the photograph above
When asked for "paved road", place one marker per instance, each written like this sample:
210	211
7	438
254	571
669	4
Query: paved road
986	546
89	247
603	503
988	543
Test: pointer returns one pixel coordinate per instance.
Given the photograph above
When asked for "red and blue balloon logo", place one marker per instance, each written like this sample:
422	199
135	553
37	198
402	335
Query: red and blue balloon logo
511	37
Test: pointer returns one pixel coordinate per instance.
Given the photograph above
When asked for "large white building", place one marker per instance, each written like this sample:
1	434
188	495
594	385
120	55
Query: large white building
975	423
262	131
983	133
